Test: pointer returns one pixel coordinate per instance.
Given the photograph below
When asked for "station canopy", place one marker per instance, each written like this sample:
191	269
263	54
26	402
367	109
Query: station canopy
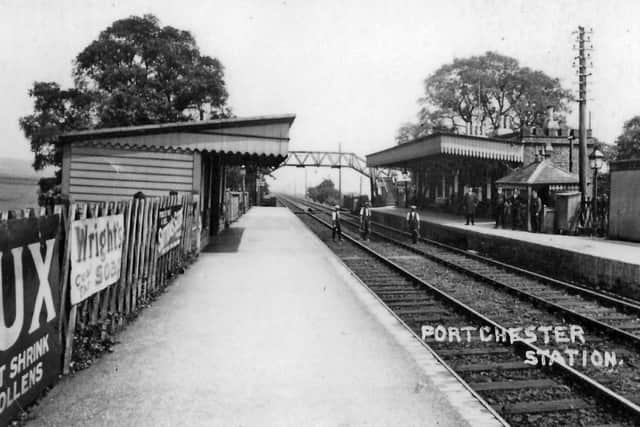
263	140
431	146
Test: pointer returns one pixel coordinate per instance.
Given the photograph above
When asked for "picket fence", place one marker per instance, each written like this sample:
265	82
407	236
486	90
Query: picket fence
144	272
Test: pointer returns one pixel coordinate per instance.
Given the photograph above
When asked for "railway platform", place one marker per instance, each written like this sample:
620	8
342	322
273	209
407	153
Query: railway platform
612	265
268	327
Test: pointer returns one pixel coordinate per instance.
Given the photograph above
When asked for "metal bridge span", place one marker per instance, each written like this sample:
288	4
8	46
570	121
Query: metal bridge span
333	159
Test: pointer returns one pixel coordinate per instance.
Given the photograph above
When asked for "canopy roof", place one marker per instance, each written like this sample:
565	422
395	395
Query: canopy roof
261	137
539	173
458	145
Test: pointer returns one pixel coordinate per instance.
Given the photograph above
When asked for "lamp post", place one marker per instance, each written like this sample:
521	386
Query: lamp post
595	162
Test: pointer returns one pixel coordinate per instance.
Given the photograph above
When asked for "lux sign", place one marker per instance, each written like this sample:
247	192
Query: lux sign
9	333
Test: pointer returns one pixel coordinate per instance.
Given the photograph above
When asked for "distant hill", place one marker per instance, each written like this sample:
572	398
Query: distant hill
21	169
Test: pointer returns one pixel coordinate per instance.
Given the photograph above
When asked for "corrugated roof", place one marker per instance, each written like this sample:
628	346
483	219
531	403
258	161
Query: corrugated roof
451	144
266	136
176	127
539	173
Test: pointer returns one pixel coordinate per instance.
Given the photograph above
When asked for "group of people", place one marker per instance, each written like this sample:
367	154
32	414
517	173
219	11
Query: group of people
512	209
515	209
365	222
413	223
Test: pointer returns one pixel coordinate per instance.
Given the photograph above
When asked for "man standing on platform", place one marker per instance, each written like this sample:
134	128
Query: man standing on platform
470	205
365	220
335	220
413	223
515	210
500	209
536	212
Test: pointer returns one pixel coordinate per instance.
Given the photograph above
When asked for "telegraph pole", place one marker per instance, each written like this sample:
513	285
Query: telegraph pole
582	57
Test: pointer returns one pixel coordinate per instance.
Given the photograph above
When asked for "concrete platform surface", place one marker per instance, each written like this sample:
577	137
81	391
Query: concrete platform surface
628	252
265	329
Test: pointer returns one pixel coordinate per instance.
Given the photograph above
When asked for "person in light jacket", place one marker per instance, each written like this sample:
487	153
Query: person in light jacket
335	222
365	220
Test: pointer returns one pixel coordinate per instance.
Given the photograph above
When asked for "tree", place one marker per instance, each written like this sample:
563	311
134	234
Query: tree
325	192
408	132
429	122
628	144
136	72
486	91
55	111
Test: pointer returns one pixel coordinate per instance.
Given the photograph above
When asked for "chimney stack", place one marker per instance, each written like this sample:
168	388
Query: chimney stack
551	126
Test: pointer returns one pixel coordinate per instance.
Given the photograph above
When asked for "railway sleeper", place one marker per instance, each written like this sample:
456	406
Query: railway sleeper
536	407
513	385
408	304
473	351
382	289
615	316
416	322
404	296
501	366
420	311
412	293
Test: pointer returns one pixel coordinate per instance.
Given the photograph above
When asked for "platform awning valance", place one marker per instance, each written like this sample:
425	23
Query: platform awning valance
456	145
266	136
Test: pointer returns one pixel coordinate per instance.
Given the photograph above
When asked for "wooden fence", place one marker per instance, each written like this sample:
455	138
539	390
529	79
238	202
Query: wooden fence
144	271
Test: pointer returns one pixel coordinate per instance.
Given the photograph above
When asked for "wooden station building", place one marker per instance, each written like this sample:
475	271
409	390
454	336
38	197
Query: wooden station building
443	166
186	157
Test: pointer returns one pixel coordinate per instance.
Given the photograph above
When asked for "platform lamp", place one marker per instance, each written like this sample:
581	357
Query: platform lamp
596	159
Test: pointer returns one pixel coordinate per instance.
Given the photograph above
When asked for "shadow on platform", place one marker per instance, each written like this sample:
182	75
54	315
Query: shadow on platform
225	242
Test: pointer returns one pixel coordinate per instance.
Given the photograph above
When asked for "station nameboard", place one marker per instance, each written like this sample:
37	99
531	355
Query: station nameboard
96	255
30	349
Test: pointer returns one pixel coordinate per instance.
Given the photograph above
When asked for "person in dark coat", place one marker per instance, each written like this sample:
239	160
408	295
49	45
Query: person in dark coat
470	205
536	212
335	220
500	209
413	224
515	210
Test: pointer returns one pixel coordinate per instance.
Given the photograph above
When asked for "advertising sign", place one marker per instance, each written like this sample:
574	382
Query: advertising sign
96	255
30	351
169	229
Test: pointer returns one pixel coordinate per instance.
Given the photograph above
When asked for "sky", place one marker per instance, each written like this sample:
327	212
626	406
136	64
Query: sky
351	71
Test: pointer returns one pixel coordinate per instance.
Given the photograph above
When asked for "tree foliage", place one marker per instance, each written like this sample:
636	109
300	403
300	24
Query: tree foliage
628	143
325	192
56	110
487	91
136	72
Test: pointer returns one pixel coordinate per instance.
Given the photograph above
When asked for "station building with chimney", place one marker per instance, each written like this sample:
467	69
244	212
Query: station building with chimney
443	166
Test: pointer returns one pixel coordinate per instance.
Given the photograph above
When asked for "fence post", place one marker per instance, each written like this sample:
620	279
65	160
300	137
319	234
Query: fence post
73	312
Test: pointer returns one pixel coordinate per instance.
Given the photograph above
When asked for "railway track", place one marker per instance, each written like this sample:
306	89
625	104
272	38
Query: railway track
620	317
424	292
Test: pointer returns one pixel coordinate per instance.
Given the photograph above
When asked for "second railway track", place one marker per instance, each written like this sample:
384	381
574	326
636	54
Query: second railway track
523	394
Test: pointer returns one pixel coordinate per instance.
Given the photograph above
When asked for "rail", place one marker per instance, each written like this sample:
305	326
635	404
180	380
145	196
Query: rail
596	387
